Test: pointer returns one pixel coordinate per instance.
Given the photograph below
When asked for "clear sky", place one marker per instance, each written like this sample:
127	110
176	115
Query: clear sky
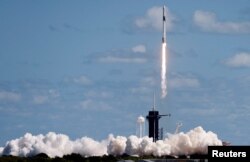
90	68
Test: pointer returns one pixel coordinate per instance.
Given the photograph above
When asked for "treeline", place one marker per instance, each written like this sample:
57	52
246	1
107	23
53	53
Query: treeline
78	158
68	158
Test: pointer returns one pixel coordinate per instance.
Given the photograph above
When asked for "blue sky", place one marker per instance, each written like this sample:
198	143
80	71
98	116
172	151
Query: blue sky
90	68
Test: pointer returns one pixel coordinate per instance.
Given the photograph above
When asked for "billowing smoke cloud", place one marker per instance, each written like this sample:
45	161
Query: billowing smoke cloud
194	141
117	145
53	145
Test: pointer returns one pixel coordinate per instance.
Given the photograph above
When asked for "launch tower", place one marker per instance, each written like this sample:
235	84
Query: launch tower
153	123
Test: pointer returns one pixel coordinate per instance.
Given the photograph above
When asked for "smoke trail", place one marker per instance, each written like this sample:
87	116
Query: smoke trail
163	70
194	141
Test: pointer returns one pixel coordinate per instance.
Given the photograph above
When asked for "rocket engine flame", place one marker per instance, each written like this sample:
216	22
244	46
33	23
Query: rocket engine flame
164	70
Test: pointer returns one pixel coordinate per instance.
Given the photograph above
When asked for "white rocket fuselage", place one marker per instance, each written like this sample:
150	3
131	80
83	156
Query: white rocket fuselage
164	25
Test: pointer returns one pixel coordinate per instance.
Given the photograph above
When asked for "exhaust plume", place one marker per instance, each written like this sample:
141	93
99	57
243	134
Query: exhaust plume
163	70
52	144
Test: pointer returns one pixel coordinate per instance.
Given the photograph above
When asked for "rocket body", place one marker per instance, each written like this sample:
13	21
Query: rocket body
164	25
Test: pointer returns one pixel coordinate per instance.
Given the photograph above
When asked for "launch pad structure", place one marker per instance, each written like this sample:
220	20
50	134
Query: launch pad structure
153	123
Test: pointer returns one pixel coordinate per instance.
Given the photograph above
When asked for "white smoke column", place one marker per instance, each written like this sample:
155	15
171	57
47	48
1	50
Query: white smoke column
163	70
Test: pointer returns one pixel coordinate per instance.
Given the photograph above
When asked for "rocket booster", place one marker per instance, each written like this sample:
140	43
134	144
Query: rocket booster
164	25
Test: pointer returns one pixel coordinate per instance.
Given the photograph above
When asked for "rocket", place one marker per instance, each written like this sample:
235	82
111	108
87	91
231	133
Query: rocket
164	25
